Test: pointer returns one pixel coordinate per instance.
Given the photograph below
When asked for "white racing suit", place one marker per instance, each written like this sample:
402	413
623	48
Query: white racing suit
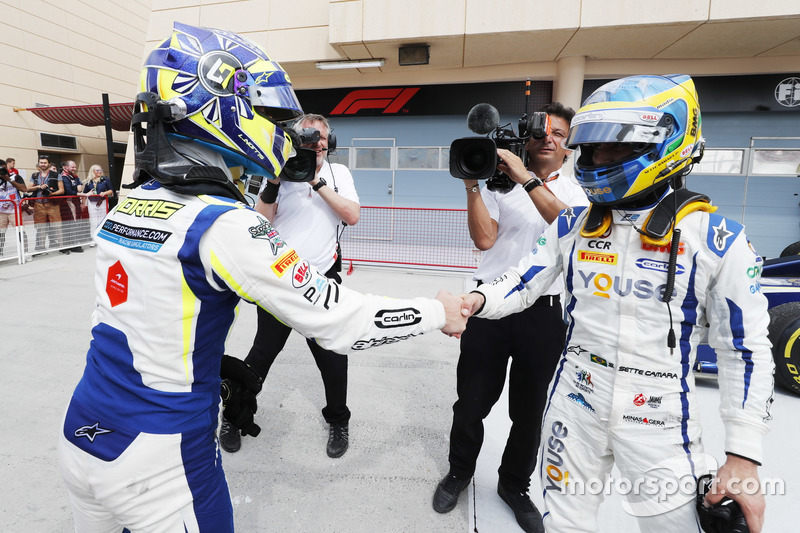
138	445
618	394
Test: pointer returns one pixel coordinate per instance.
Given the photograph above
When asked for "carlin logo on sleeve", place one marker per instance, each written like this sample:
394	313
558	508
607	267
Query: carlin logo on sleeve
301	274
284	262
397	318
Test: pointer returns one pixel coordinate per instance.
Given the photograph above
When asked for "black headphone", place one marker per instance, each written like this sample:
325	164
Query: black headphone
331	142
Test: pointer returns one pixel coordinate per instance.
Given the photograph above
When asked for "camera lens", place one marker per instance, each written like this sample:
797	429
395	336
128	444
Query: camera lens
473	158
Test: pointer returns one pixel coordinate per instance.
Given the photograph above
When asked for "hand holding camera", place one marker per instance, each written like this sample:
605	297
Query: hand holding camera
477	157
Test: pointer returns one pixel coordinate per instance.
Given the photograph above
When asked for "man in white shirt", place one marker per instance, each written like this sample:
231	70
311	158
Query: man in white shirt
506	225
310	216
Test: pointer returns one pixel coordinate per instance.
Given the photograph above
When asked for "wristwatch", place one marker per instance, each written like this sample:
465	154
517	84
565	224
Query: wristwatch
320	184
474	188
532	184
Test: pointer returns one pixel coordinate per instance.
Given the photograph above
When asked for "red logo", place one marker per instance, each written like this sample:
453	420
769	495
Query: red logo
639	400
390	100
117	284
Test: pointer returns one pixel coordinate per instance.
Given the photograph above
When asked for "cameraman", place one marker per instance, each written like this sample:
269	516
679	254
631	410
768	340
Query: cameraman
46	183
506	226
311	216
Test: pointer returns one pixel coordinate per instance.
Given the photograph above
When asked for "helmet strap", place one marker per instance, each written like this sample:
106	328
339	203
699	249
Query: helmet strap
662	220
157	159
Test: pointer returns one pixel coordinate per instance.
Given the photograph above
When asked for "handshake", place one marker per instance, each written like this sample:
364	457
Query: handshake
458	309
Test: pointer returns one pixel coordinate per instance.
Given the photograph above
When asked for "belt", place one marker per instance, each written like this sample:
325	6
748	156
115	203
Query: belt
548	300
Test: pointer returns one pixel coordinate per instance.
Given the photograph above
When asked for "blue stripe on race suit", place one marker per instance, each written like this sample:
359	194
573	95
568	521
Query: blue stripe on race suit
689	310
562	362
217	309
737	330
211	500
524	278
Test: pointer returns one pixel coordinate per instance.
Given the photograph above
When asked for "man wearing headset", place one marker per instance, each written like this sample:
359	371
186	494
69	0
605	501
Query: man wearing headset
311	216
647	267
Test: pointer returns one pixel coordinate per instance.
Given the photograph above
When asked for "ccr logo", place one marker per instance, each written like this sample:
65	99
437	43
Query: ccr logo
754	272
623	287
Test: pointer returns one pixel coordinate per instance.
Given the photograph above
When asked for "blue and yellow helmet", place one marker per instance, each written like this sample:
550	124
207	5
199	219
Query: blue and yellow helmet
658	115
232	97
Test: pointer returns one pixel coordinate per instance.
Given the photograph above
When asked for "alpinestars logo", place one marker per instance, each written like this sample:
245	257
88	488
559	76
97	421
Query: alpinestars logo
389	100
90	432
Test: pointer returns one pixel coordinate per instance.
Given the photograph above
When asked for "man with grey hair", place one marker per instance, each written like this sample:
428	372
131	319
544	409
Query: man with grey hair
310	216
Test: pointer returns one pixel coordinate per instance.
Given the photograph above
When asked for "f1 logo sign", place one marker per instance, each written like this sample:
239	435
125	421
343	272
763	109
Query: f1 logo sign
390	100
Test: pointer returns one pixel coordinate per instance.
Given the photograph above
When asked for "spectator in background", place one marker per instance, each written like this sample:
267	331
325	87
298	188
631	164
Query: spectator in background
309	215
46	213
71	207
97	189
505	220
10	191
19	177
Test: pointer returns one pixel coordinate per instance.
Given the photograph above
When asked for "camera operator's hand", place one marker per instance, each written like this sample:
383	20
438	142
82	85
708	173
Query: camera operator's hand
512	165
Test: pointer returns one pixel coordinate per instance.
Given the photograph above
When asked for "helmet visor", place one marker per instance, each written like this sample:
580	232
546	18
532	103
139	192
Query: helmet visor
279	103
616	126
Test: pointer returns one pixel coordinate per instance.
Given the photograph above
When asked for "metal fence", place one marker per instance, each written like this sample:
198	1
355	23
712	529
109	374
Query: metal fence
412	237
41	225
389	236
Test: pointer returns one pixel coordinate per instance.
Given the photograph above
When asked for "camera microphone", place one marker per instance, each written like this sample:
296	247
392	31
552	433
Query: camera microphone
483	118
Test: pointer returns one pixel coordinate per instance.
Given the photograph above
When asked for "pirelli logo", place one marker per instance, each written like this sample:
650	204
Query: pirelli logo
284	263
597	257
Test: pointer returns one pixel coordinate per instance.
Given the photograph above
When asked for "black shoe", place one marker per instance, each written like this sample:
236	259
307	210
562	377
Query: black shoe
528	516
338	439
446	496
229	437
64	251
77	249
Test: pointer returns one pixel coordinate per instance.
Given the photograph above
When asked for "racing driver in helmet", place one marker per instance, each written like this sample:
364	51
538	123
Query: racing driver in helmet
138	447
647	266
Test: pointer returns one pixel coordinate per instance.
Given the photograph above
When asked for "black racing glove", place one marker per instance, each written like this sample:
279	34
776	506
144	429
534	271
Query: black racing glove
240	385
722	517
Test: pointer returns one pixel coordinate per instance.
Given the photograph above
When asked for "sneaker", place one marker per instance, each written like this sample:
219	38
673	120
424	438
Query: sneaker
64	251
229	437
446	496
77	249
338	439
528	516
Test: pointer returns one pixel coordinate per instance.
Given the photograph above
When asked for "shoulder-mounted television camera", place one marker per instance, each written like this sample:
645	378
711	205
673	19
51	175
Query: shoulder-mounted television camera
475	158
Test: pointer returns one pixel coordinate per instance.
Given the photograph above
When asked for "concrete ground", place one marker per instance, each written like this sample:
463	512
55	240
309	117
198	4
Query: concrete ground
400	395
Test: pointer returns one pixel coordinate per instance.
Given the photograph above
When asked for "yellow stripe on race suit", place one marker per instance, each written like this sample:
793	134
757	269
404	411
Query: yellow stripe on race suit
188	305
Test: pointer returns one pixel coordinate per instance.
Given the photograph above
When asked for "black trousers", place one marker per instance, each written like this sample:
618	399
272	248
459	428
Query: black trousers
270	339
534	340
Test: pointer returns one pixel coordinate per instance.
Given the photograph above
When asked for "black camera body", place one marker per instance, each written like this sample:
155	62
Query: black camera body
475	158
